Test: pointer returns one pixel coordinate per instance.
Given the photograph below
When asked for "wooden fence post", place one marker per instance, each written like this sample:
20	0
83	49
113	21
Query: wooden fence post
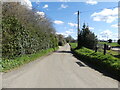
105	47
96	48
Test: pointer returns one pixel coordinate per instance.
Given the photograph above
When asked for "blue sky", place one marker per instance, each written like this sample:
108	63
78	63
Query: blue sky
102	22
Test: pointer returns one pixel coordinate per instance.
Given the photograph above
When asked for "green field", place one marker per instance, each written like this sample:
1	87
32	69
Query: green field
73	45
111	52
111	44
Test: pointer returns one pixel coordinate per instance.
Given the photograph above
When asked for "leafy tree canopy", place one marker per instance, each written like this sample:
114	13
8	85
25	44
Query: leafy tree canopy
87	38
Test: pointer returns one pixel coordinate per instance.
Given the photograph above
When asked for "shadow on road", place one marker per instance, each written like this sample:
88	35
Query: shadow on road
80	64
63	51
103	71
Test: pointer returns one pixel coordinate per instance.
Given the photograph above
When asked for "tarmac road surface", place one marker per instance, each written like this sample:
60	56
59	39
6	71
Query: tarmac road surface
57	70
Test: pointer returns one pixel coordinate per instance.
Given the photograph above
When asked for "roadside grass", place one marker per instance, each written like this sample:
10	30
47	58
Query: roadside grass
73	45
111	44
8	65
111	52
105	62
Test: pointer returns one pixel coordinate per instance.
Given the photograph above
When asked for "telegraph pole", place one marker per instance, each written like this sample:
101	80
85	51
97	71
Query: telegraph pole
78	29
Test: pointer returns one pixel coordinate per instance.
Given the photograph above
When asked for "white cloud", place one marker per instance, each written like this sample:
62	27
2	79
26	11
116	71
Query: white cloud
106	15
27	3
76	13
67	33
72	24
114	25
107	34
64	0
64	34
91	28
45	6
42	14
38	2
91	2
58	22
70	31
64	6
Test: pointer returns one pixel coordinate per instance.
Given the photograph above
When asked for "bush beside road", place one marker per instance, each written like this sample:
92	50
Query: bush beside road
105	62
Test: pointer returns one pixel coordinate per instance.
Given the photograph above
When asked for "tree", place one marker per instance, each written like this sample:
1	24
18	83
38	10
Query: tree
87	38
119	41
61	40
110	41
69	39
25	31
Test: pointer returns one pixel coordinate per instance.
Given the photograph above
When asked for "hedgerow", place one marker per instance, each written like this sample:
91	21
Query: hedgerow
24	34
105	62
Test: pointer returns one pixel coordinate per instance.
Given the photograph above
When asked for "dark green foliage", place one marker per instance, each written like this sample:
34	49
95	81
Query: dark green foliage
60	43
69	39
87	38
61	40
119	41
25	32
110	41
105	62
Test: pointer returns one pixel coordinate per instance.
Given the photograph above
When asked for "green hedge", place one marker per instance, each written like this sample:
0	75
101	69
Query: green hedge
25	35
17	40
17	62
105	62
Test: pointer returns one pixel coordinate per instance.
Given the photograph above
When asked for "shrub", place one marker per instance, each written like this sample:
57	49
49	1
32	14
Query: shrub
110	41
61	40
87	38
24	32
119	41
105	62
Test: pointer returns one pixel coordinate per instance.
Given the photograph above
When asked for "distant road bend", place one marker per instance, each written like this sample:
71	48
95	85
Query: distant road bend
58	70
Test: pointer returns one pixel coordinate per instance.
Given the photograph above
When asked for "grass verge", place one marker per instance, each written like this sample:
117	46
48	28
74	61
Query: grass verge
8	65
113	44
104	62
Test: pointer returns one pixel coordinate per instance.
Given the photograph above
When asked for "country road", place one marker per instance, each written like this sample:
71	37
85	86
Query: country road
57	70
